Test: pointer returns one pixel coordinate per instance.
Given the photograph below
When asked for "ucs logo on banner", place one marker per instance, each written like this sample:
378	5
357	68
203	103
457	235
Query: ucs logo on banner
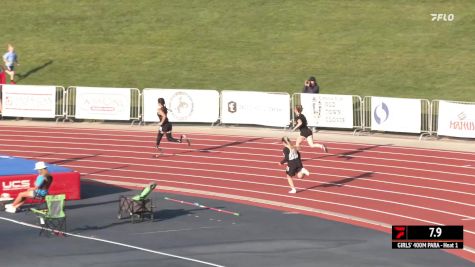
15	185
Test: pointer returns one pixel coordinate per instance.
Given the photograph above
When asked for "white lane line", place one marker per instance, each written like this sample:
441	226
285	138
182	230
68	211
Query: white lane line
261	155
260	183
273	194
274	203
260	161
151	134
117	243
356	155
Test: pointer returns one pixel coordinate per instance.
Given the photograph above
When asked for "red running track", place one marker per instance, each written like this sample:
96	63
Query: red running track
374	186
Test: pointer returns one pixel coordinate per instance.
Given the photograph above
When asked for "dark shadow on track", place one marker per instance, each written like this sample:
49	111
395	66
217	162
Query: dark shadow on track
342	182
236	143
347	155
73	159
109	169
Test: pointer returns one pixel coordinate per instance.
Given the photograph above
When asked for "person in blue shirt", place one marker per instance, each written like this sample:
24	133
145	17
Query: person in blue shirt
42	184
10	59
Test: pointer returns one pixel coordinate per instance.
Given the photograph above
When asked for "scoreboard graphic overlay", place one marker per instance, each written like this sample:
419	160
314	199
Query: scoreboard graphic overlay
427	237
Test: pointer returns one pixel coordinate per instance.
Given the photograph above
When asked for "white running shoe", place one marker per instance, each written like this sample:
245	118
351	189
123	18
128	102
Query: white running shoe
186	140
324	148
305	171
10	209
293	191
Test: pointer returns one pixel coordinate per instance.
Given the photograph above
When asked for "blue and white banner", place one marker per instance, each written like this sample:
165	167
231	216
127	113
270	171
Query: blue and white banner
396	114
184	105
456	119
322	110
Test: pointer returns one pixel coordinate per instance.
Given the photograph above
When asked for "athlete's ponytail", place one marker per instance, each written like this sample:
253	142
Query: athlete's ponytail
161	101
287	142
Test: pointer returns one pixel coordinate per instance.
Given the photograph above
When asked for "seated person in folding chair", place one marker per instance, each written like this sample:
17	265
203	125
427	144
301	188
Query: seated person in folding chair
42	184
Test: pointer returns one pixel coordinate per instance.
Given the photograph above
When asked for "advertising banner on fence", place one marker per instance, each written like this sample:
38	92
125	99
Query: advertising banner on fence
335	111
396	114
29	101
96	103
260	108
184	105
456	119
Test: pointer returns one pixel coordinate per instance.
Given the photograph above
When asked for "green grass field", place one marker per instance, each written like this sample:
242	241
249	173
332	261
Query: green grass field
370	47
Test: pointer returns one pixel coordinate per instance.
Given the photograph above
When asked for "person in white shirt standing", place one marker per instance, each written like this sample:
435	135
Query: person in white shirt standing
11	59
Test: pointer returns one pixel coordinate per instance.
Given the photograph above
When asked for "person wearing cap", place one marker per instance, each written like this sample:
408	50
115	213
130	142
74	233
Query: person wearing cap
311	86
42	184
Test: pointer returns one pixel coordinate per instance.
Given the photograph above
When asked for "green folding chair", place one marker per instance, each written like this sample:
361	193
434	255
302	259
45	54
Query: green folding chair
52	219
139	206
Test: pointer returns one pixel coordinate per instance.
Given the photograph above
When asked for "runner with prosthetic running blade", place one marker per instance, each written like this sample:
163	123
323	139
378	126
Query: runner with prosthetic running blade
166	127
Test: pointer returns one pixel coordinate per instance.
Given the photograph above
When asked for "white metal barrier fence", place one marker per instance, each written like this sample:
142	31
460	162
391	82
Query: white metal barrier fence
184	105
98	103
329	111
453	118
32	101
257	108
405	115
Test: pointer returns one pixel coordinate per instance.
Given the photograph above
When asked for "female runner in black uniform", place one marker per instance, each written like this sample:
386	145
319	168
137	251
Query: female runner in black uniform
166	127
305	132
294	163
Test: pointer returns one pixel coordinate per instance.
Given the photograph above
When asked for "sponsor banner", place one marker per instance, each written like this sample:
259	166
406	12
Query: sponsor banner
260	108
97	103
29	101
335	111
456	119
396	114
184	105
67	183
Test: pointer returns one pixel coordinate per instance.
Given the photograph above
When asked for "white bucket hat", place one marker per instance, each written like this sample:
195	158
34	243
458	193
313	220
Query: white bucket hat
40	165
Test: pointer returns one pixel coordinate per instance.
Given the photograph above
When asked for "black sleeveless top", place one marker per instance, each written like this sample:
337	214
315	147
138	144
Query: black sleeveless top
165	110
304	121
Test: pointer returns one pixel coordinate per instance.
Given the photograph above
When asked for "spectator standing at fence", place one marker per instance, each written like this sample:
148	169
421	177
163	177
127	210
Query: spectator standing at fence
166	127
311	86
10	59
305	133
294	163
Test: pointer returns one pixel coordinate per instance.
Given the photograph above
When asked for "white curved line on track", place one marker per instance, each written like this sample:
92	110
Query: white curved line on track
343	155
315	181
257	183
148	133
231	136
116	243
280	196
220	158
226	152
